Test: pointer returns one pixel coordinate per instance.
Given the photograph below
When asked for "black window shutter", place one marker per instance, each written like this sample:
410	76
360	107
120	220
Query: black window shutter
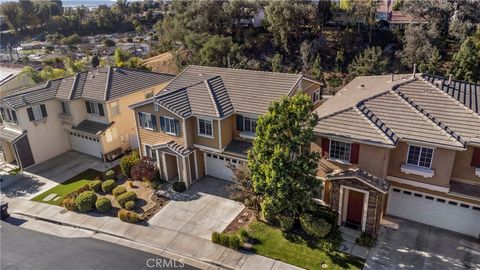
177	127
240	123
44	110
154	121
30	114
140	119
100	109
162	123
14	115
87	103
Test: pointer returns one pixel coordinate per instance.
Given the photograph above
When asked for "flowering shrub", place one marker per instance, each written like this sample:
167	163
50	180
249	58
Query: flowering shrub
145	170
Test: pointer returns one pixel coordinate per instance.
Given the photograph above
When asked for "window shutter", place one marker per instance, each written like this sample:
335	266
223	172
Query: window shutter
44	110
476	158
30	114
325	147
14	115
154	121
100	109
354	151
87	103
2	111
177	127
162	123
140	119
240	123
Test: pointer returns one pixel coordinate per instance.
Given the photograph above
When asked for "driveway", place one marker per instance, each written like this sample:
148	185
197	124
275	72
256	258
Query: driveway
404	244
204	209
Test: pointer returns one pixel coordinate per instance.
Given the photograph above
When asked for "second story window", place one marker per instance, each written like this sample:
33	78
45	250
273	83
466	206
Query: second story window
340	151
170	125
9	115
420	156
205	127
147	120
250	124
95	108
37	112
316	96
65	108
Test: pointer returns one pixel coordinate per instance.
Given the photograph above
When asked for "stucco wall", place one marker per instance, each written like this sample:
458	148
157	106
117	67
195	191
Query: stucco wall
200	140
78	110
462	169
309	87
442	165
227	130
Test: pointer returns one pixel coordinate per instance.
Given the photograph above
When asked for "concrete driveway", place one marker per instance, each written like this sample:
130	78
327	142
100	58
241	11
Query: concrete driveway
204	209
408	245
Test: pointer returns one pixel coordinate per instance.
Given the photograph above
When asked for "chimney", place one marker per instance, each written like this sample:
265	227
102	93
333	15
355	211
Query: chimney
450	79
414	70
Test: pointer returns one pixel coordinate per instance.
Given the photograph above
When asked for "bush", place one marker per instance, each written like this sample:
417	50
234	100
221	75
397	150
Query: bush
69	203
128	161
145	170
86	201
130	205
231	241
110	174
244	235
130	184
126	197
108	186
86	187
71	40
314	227
179	186
128	216
285	222
119	191
95	185
366	240
103	205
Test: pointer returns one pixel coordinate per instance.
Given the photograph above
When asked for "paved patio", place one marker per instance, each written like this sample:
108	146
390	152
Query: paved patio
203	209
405	244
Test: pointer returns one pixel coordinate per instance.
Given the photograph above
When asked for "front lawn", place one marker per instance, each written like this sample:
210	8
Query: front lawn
271	242
68	186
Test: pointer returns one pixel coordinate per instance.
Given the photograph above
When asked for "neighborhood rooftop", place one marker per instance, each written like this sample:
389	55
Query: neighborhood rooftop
100	85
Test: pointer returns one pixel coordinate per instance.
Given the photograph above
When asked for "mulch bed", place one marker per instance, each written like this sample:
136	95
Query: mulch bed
243	219
160	202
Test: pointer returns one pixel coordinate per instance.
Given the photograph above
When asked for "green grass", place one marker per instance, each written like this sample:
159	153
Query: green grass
68	186
271	242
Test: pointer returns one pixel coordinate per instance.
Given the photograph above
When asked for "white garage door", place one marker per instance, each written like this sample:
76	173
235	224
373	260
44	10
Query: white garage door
216	166
436	211
86	144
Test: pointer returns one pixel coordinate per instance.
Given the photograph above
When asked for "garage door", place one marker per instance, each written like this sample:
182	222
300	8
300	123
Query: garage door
86	144
217	166
436	211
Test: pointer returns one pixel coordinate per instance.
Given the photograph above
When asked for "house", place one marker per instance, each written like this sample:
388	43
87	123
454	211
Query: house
407	146
11	79
204	120
87	112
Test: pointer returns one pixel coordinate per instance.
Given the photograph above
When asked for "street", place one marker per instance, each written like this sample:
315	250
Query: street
25	249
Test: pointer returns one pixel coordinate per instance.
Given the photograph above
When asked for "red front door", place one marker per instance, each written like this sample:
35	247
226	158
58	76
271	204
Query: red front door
355	207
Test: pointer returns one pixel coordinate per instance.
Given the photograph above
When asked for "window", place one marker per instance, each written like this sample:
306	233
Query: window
169	125
250	124
114	108
150	152
146	120
340	150
9	115
420	156
95	108
205	127
37	112
65	108
316	96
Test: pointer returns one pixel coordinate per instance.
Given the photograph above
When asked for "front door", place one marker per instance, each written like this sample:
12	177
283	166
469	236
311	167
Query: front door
354	209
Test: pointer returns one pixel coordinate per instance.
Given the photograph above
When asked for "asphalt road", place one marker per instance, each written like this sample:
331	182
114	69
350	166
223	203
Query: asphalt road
23	249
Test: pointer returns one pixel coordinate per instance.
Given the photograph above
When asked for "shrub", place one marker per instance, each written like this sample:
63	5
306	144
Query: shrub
366	240
234	242
95	185
130	205
128	161
86	201
119	191
71	40
110	174
231	241
103	205
215	237
145	170
314	227
128	216
179	186
244	235
69	203
285	222
86	187
108	186
130	184
126	197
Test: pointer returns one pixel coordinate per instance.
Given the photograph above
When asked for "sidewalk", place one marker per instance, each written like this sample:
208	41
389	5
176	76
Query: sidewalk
181	244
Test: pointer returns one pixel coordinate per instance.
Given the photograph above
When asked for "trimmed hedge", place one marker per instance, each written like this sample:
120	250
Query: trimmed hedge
108	186
86	201
95	185
314	227
130	205
366	240
128	216
179	186
231	241
103	205
126	197
128	161
69	203
117	191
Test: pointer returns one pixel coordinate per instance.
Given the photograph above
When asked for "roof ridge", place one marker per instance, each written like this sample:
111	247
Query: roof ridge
142	70
75	82
249	70
108	83
382	128
173	79
210	92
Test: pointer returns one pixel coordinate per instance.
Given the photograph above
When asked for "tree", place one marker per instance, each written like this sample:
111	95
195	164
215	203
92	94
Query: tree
109	43
71	67
238	10
467	60
95	61
324	13
277	63
219	51
317	71
432	66
11	12
306	54
417	46
242	189
369	62
282	165
339	60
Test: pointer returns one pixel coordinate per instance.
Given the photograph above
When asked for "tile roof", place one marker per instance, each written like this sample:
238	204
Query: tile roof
464	189
218	92
91	127
8	134
100	85
369	179
175	147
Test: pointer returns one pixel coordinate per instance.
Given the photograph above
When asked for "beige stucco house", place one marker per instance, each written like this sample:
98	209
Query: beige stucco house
87	112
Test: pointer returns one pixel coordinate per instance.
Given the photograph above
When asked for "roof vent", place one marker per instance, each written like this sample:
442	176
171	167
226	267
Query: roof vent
414	70
362	86
200	74
450	79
